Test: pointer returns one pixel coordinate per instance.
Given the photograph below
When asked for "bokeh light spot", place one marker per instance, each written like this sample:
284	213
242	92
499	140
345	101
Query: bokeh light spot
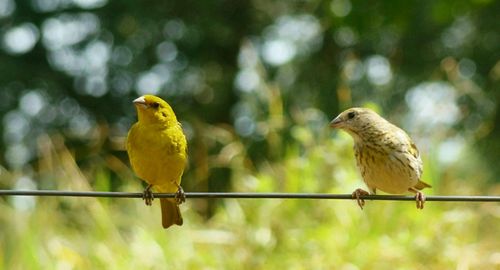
378	70
32	103
7	7
341	8
20	39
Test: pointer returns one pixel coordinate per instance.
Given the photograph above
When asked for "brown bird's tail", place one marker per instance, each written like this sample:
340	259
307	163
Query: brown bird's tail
421	185
170	213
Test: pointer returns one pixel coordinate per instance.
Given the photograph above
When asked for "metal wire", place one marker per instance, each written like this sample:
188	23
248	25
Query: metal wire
245	195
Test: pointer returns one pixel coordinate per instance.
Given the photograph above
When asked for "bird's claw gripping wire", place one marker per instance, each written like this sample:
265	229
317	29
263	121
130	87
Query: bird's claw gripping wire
180	196
356	195
147	195
420	199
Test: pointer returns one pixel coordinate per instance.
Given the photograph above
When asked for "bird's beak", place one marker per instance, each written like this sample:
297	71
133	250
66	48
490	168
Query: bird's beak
140	102
336	123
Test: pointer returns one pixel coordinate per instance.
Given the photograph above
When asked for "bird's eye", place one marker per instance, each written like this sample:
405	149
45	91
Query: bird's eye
351	115
155	105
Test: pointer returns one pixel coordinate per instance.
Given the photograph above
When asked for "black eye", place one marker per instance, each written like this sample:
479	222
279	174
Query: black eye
155	105
351	115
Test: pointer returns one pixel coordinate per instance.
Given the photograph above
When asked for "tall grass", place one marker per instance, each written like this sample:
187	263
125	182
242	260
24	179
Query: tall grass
91	233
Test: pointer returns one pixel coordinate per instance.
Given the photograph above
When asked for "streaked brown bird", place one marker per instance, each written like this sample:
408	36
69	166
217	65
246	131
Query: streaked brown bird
385	155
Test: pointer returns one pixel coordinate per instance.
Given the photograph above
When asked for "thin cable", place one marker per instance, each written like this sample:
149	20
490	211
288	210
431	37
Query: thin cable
245	195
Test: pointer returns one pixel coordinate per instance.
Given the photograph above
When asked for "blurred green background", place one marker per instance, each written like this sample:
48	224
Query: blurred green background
255	84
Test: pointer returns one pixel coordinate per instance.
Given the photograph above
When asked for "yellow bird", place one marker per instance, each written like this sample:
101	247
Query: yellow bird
157	149
385	155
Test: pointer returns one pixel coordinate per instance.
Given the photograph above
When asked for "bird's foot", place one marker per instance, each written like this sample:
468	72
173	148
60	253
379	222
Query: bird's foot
356	195
147	195
420	199
180	196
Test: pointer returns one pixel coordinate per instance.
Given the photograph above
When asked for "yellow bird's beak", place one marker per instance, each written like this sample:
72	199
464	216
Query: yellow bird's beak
140	102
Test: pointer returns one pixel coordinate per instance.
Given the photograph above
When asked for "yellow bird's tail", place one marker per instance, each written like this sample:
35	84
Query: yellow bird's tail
170	213
421	185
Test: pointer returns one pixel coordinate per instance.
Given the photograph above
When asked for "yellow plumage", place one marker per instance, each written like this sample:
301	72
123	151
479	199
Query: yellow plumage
157	149
385	155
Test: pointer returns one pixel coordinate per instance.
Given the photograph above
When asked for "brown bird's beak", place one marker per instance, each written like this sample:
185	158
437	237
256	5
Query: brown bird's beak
336	123
140	102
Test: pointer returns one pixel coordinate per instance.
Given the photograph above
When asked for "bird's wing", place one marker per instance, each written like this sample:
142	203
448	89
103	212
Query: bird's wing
403	139
413	149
